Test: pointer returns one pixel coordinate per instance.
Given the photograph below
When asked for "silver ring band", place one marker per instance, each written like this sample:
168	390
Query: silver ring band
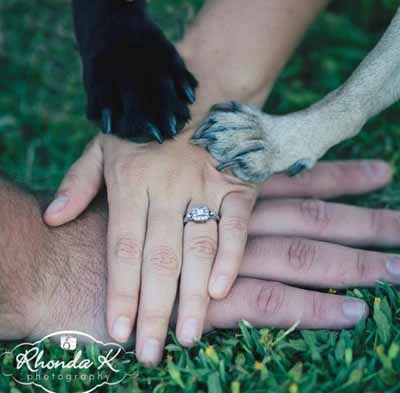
200	214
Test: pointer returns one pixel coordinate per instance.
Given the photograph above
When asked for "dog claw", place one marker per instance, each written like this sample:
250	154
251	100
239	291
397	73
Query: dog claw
200	141
189	93
250	150
227	165
156	133
297	168
106	118
172	126
230	106
209	130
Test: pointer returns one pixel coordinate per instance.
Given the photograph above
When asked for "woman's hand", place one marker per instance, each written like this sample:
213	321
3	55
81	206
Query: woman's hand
150	188
164	196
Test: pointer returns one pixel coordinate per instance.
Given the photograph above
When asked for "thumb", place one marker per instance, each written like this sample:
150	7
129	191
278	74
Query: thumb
79	187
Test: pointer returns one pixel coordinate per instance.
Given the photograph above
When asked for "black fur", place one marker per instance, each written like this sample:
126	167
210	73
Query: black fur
131	70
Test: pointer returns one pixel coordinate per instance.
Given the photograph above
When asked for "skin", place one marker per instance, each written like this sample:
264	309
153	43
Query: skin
147	201
60	279
255	145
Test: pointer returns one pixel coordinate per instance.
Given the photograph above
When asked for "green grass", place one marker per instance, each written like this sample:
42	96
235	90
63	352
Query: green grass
42	131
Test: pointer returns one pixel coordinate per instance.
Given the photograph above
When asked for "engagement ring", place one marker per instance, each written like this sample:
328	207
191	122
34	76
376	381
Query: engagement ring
200	214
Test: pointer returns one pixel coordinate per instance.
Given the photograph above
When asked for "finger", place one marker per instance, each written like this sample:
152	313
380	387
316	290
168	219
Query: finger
200	248
125	241
331	222
161	268
79	187
266	303
330	180
312	263
232	233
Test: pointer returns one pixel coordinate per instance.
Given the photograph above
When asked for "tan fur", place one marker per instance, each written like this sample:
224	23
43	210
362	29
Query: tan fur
254	145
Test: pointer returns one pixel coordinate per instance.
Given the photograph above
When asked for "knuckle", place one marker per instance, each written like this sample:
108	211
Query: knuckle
301	254
377	221
234	224
123	168
164	260
258	247
269	298
124	296
318	310
336	173
197	300
157	320
304	179
203	247
128	249
129	168
76	181
317	211
246	198
72	180
362	267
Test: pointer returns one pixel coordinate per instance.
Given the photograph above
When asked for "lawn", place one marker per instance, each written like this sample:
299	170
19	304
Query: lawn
43	130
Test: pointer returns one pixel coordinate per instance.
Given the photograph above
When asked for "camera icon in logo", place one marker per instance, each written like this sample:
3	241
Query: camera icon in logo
68	343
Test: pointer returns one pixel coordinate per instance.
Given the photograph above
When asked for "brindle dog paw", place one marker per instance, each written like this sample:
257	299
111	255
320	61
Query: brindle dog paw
234	135
248	143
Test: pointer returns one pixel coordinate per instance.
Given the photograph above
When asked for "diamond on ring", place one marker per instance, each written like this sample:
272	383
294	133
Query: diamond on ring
200	214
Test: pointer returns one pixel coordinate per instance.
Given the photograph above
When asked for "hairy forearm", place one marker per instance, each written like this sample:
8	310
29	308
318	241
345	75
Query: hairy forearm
50	279
22	249
75	275
59	280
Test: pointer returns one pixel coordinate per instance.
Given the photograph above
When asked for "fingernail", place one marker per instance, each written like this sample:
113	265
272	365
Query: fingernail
375	168
150	351
121	329
57	205
354	310
219	287
393	267
190	331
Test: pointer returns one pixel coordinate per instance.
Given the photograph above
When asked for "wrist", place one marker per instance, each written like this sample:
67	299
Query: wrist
220	79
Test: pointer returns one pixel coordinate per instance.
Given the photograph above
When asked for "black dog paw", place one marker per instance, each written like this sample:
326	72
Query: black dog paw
137	84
